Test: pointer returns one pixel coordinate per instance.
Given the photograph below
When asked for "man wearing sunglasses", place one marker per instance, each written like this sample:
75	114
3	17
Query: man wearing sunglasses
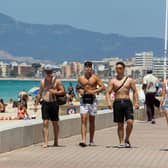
87	88
49	88
122	105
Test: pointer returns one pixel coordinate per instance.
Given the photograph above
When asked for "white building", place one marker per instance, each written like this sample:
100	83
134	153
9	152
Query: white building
158	67
144	59
102	68
4	69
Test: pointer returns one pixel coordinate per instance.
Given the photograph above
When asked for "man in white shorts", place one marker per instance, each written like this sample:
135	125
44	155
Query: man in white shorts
90	109
87	88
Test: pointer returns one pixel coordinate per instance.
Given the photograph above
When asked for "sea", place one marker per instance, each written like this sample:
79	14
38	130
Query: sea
9	89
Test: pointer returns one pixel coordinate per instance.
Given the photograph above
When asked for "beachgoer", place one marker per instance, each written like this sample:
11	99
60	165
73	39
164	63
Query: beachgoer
2	106
21	113
23	97
149	87
122	105
87	88
22	110
71	93
49	88
164	100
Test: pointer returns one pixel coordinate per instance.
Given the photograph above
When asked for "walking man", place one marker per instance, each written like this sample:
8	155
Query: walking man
149	87
87	88
122	105
49	88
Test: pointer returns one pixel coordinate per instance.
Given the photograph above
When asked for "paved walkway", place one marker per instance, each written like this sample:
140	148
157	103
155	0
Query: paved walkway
150	150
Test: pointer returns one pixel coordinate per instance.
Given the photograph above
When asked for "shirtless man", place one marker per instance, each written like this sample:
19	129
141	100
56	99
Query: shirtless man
50	109
122	104
87	88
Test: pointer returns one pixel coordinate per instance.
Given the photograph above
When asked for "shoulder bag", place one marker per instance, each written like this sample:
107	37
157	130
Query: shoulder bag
121	85
60	99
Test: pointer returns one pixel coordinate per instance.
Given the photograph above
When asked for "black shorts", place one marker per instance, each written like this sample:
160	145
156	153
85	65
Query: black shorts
50	111
123	108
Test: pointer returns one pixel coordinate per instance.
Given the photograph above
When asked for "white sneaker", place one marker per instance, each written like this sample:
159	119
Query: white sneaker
92	144
121	145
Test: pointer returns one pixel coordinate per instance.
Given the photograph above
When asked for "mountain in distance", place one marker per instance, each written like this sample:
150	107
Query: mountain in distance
62	42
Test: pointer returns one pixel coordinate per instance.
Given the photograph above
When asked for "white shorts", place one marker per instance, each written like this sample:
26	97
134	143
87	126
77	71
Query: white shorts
90	109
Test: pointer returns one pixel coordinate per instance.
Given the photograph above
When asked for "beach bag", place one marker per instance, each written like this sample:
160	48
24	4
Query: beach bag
88	98
61	99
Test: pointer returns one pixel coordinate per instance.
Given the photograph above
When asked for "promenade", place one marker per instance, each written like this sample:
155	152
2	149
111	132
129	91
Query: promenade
149	150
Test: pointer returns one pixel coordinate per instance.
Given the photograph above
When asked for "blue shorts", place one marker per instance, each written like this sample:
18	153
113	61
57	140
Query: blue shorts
165	105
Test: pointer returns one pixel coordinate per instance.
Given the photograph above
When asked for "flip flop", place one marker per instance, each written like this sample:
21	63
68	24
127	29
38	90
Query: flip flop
82	144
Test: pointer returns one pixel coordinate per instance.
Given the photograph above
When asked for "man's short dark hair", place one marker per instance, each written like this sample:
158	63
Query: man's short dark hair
88	63
120	63
149	70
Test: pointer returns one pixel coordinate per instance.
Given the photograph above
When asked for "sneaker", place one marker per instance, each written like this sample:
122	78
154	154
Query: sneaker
127	144
121	145
82	144
153	121
92	144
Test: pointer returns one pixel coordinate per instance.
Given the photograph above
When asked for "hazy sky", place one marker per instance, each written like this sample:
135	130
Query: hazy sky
126	17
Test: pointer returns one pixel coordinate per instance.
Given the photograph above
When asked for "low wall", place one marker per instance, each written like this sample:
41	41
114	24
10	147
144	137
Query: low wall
17	134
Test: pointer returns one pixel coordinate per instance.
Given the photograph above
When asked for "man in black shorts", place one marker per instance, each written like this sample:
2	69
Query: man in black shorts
122	105
50	87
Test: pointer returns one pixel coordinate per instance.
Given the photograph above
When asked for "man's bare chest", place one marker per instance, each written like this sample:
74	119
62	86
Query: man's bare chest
123	83
89	82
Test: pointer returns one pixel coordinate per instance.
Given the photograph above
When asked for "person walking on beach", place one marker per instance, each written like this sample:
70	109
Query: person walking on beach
149	87
49	88
87	88
122	105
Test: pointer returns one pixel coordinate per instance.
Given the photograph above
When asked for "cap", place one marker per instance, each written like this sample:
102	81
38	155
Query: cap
88	63
48	68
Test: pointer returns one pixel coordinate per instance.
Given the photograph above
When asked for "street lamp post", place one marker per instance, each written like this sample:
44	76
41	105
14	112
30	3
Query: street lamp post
165	46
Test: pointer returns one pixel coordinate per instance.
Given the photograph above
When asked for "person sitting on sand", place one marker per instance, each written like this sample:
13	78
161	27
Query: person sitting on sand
21	114
23	97
2	106
22	110
71	94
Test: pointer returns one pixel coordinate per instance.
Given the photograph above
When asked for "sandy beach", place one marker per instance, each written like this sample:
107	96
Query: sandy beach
12	111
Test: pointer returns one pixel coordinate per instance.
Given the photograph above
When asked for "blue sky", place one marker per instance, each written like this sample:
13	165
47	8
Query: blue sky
126	17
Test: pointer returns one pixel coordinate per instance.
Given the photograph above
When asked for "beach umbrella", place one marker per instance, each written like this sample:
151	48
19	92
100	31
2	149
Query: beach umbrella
34	90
